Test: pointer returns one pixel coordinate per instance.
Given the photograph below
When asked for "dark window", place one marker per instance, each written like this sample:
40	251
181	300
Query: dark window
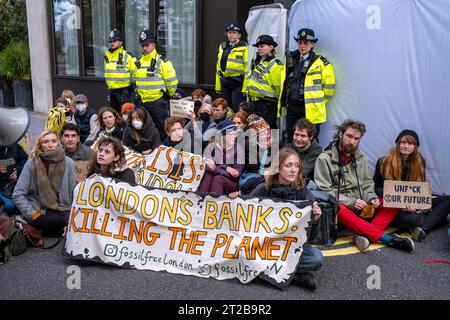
96	28
66	20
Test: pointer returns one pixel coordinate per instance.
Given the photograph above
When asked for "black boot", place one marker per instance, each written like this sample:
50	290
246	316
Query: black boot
305	280
401	243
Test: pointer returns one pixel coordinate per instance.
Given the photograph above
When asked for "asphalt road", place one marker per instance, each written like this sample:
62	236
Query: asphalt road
40	274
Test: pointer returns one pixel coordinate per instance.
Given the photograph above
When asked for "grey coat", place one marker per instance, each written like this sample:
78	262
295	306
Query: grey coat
26	193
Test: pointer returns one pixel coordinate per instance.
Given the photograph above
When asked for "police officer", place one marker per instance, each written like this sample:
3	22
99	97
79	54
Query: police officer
264	83
119	71
232	66
310	84
156	81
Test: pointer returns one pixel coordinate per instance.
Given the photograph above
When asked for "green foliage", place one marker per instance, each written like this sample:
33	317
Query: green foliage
15	61
13	22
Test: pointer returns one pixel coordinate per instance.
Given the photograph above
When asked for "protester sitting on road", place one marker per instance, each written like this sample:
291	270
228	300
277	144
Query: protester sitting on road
111	162
173	127
219	114
257	153
86	119
240	119
12	161
306	146
284	180
74	149
404	162
201	123
111	123
141	134
200	94
246	107
343	171
59	115
69	97
44	190
225	162
126	110
179	94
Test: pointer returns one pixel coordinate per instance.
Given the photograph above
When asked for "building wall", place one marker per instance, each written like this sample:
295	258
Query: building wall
39	54
213	16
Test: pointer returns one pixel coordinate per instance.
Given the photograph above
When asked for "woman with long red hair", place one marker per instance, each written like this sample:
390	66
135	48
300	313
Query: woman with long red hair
405	163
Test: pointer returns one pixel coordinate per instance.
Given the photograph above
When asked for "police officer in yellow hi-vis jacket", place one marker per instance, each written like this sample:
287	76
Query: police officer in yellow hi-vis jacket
264	83
310	84
119	71
156	81
232	65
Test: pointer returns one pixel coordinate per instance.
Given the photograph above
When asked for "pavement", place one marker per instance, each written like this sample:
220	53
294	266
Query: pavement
39	274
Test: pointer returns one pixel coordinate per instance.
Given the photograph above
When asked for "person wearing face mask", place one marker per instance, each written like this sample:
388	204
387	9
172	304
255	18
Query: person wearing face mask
86	119
264	83
127	108
141	134
404	162
119	71
232	66
44	191
199	124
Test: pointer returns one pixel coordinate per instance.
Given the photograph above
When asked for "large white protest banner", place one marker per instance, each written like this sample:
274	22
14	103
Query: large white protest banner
186	233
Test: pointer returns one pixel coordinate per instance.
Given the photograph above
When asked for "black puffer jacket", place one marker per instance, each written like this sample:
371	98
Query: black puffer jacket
16	158
149	138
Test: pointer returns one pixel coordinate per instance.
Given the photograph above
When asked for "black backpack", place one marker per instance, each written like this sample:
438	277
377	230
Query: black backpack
328	227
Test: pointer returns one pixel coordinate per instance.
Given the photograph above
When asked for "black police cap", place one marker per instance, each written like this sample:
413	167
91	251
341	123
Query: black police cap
115	35
306	35
146	36
265	39
234	27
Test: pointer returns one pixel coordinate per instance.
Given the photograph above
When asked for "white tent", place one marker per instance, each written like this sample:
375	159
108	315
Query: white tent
391	59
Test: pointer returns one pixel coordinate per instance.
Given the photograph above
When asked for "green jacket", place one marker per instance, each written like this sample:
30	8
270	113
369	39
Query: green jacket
327	177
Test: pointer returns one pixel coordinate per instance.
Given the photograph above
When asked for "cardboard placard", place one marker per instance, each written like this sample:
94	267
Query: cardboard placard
399	194
181	108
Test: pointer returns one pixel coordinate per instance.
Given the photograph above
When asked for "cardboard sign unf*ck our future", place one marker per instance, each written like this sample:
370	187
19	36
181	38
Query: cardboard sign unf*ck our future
399	194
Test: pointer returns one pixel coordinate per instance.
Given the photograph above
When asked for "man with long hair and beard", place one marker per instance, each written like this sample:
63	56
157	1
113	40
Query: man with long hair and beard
405	163
343	171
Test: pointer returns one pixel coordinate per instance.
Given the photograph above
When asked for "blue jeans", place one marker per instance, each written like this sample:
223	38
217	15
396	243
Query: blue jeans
310	260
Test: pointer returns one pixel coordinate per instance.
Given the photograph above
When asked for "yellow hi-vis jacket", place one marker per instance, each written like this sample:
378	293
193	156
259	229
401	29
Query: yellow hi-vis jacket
119	68
320	86
155	77
266	82
236	66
